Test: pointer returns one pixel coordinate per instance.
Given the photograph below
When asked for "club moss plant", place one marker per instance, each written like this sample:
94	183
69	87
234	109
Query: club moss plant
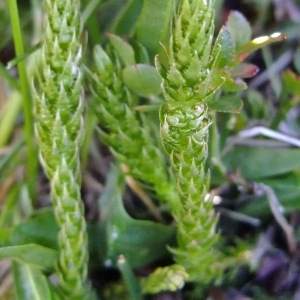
60	132
128	132
184	131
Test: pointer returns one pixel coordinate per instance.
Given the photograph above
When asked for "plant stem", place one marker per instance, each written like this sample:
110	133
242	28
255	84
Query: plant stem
31	170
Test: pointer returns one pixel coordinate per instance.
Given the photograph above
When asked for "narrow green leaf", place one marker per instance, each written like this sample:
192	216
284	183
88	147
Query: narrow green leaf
260	42
30	283
239	29
153	24
123	49
11	80
141	53
32	254
259	162
130	280
142	79
228	104
9	115
6	159
10	209
127	19
20	58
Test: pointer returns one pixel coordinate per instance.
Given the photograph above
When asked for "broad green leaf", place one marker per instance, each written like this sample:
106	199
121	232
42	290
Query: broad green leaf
154	22
259	162
123	49
127	19
142	79
139	241
227	51
41	229
260	42
32	254
239	29
30	283
227	103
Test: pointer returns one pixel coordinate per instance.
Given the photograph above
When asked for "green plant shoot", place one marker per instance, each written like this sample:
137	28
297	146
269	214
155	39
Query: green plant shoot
128	132
60	132
187	87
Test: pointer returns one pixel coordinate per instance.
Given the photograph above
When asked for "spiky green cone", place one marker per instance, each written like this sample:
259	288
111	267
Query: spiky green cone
128	133
60	132
184	132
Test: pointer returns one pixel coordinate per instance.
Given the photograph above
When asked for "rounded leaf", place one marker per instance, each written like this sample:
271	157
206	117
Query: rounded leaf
142	79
